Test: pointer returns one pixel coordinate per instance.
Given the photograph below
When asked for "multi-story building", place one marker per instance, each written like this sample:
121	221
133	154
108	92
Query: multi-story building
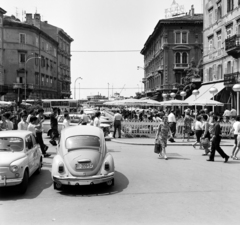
221	55
168	52
32	61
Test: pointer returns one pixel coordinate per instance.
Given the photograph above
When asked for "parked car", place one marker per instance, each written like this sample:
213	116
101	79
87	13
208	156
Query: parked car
74	121
20	158
82	158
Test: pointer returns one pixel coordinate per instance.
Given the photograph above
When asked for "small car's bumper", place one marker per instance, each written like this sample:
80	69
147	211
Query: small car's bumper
83	180
9	182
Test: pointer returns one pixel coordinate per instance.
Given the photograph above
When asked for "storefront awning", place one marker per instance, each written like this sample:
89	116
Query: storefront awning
204	92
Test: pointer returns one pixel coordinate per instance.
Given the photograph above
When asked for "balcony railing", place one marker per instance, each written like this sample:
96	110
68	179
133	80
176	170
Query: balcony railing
231	79
232	46
181	65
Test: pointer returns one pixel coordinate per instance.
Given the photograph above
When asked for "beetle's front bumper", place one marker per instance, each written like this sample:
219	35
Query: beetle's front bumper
4	181
83	180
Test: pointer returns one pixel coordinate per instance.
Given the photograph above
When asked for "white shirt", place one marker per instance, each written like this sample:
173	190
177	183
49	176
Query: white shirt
31	127
66	123
198	125
22	125
171	118
236	127
96	122
10	124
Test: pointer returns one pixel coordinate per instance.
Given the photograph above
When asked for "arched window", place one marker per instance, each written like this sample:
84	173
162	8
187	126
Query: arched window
177	58
229	67
219	72
184	58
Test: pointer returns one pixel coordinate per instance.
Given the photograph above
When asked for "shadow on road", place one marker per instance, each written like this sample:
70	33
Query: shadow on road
121	183
37	183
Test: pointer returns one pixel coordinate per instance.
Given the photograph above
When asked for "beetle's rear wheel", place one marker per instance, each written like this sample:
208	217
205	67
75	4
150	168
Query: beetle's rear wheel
57	186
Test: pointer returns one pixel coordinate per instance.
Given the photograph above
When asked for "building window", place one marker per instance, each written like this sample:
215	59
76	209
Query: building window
210	15
219	72
42	62
36	78
210	44
42	45
178	58
229	67
181	37
230	5
229	31
36	59
22	57
184	58
47	80
219	11
178	36
22	38
37	42
47	47
210	74
42	79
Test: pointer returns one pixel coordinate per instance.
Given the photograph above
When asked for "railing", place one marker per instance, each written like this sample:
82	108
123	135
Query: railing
181	65
232	42
231	79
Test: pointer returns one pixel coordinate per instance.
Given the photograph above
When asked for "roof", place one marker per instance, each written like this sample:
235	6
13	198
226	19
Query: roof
15	133
82	130
196	19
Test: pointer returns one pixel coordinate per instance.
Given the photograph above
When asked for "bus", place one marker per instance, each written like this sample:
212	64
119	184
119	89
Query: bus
70	105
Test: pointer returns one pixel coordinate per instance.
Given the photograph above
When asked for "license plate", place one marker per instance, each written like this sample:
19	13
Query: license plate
84	166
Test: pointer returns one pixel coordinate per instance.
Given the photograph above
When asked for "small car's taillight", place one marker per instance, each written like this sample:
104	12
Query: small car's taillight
61	168
107	166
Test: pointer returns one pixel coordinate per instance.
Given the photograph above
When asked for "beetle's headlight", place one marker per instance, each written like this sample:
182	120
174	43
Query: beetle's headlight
14	168
61	168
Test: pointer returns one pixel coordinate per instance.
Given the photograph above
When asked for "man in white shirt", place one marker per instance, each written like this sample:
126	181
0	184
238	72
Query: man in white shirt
235	130
117	120
23	124
172	124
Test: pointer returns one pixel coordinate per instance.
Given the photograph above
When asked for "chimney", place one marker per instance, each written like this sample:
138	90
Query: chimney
29	18
192	10
37	20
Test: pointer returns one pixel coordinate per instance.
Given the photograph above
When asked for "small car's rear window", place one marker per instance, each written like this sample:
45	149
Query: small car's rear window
11	144
76	142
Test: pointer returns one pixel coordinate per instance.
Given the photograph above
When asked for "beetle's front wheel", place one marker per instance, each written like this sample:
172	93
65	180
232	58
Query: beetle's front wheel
57	186
110	183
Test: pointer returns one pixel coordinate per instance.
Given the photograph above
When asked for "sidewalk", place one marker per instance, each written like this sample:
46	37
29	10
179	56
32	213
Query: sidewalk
150	141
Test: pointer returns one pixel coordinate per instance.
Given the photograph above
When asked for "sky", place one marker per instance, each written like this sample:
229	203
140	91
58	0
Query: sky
108	37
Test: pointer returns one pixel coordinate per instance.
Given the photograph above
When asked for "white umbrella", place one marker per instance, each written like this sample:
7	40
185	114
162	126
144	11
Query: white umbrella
150	102
25	103
206	102
126	102
2	103
174	102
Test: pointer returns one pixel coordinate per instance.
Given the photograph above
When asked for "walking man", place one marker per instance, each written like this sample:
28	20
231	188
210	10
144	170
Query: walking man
216	139
117	124
54	126
172	124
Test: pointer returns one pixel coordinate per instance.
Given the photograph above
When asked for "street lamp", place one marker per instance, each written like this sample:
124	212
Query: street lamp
236	88
26	75
195	92
108	91
173	95
75	87
213	91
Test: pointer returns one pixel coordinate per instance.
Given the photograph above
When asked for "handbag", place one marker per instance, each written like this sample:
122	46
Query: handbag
205	142
157	148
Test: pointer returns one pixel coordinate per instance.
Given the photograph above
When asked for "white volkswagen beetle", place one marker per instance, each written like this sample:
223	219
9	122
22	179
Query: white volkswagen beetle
82	158
20	157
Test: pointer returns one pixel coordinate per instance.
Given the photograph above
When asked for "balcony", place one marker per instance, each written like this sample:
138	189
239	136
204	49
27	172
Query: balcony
18	86
167	87
143	80
231	79
233	46
181	66
160	68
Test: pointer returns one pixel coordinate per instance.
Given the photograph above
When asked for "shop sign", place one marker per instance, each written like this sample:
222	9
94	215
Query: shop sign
231	79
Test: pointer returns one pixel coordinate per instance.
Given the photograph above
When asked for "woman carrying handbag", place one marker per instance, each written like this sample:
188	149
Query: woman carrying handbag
162	136
205	140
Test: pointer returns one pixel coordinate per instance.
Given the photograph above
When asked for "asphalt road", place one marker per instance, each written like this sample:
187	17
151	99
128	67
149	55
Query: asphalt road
182	190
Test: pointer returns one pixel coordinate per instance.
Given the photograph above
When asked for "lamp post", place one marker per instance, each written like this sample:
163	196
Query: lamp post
25	89
75	87
213	91
195	92
236	88
183	94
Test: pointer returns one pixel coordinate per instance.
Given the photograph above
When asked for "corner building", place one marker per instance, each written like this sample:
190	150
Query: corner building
168	52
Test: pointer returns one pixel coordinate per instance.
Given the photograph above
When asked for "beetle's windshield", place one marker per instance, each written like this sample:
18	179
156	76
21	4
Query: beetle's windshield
11	144
76	142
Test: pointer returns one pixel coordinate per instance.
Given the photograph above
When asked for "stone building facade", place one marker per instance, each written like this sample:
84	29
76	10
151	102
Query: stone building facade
168	52
33	56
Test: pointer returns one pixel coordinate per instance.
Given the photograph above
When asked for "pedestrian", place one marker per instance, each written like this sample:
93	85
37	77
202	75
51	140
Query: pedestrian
117	123
162	136
54	126
235	130
84	118
23	124
238	144
198	131
96	122
187	125
31	113
205	140
9	123
33	125
40	120
216	140
66	121
3	123
172	124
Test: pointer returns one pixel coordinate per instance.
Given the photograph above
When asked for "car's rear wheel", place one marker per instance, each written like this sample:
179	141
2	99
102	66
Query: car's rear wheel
110	183
39	167
57	186
24	185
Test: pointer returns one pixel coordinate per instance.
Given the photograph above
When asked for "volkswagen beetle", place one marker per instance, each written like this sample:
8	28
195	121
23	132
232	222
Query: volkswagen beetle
20	157
82	158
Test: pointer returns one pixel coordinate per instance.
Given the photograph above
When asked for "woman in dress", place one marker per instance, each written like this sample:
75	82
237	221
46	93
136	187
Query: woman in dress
206	134
162	135
187	125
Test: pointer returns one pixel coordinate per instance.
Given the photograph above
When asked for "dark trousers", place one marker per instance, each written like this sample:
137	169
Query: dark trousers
117	127
216	146
172	126
40	142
